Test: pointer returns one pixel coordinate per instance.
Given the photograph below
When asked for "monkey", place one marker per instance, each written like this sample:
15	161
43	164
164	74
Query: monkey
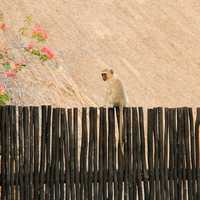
116	97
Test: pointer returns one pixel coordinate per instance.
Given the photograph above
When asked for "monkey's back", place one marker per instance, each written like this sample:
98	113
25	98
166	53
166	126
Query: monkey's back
117	94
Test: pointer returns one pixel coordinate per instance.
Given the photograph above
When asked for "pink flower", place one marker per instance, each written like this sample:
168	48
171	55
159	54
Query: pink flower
3	26
39	32
30	45
2	89
10	74
48	52
38	28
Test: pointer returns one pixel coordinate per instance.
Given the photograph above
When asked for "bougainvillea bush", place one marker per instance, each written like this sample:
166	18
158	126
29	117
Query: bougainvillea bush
4	97
44	53
35	46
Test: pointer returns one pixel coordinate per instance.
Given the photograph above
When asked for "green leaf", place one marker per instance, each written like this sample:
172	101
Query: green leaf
34	36
44	57
39	38
2	103
35	52
28	19
7	66
4	99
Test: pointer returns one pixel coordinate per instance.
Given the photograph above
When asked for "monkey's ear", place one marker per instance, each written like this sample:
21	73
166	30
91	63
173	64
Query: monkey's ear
111	71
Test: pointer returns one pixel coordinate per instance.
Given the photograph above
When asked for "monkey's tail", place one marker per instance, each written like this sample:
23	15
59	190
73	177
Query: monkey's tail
119	113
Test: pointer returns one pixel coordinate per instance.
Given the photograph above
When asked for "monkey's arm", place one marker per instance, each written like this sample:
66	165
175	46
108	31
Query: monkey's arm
107	98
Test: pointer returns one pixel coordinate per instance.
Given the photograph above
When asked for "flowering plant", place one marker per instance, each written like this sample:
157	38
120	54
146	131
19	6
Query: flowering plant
39	33
10	65
36	47
4	97
44	53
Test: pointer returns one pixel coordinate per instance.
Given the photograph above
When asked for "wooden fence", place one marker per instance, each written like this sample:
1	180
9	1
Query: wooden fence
56	153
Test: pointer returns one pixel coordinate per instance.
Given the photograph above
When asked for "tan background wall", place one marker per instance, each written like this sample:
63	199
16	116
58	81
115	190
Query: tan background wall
154	47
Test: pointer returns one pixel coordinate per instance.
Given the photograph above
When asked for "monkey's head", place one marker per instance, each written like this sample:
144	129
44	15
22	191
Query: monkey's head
107	74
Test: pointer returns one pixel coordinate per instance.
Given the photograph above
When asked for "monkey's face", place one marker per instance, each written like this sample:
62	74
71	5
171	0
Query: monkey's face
104	76
107	74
